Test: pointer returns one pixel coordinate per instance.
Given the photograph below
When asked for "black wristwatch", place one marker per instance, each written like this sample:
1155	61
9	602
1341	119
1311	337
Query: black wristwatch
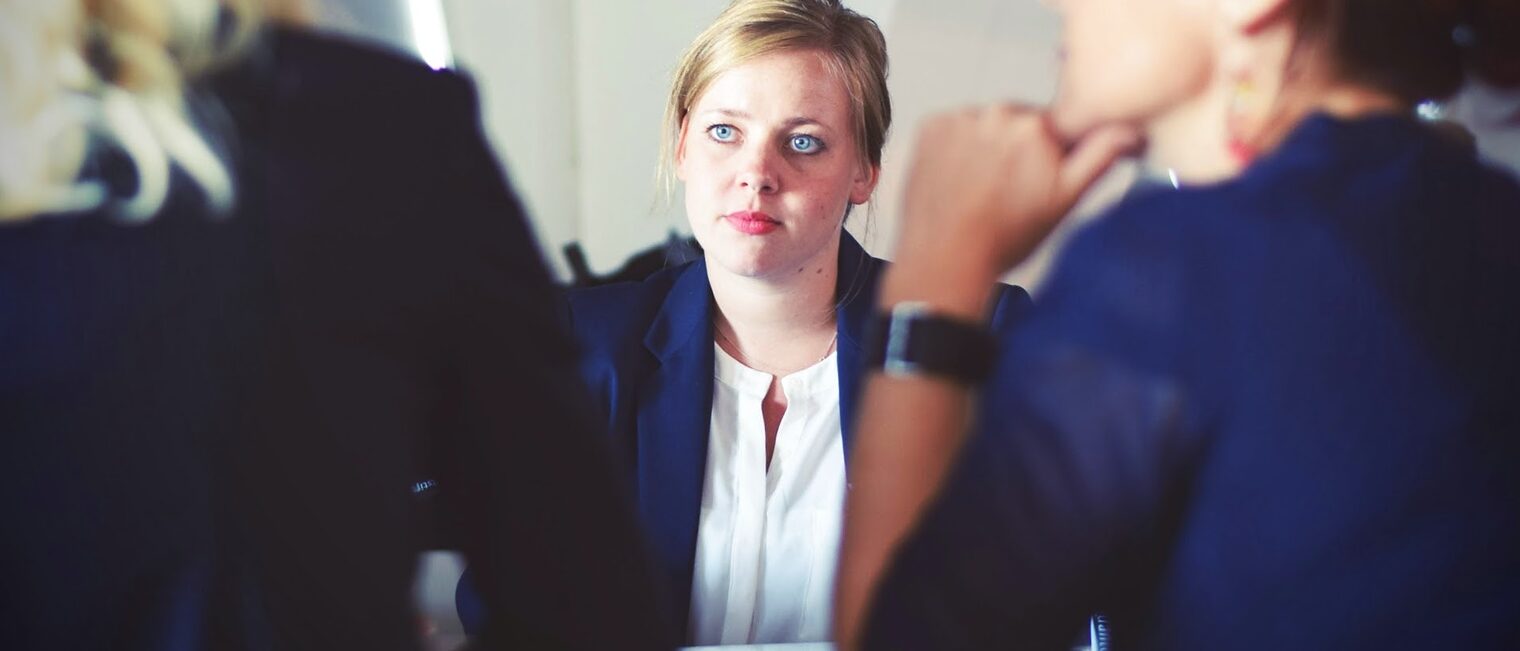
911	339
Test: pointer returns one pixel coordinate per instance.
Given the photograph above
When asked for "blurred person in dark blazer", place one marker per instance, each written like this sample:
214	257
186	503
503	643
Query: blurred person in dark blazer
1272	411
253	283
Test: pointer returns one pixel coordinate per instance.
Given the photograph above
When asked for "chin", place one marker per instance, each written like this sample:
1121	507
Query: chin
746	261
745	268
1070	119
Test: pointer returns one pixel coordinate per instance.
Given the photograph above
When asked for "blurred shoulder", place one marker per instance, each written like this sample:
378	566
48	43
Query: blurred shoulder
331	65
327	77
1125	282
1156	232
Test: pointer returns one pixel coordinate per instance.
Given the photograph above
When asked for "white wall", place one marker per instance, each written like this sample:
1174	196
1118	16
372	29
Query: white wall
573	91
624	54
520	54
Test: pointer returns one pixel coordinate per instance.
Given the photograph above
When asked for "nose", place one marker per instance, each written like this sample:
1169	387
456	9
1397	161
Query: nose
757	171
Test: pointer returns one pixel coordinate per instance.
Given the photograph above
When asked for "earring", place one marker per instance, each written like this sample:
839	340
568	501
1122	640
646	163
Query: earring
1243	103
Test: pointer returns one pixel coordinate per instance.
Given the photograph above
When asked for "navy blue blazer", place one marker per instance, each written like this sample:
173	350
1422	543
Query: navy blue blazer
1274	413
647	356
212	426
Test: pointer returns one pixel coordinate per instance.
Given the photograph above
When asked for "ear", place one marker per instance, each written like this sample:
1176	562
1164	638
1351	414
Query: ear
865	183
1252	16
680	154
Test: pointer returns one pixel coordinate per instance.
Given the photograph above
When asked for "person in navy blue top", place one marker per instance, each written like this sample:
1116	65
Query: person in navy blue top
1276	411
216	399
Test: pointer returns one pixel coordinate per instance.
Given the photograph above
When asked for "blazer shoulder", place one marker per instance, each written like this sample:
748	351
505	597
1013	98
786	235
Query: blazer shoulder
329	73
360	61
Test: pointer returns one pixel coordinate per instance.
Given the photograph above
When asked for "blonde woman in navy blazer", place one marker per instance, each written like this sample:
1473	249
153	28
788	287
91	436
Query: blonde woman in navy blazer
649	359
776	120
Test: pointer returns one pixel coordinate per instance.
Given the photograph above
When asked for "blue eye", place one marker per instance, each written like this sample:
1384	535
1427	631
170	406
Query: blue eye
804	144
722	132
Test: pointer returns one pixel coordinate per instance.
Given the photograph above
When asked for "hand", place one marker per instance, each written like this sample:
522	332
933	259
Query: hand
988	184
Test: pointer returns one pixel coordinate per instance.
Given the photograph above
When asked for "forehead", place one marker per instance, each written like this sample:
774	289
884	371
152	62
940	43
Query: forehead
780	86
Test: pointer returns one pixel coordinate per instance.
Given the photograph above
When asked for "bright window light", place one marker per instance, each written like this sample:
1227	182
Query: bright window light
429	32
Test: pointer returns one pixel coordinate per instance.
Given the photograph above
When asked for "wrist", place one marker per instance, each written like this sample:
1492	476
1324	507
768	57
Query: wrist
958	286
913	338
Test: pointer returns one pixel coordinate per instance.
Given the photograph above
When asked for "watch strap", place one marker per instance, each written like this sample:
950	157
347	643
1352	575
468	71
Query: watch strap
911	340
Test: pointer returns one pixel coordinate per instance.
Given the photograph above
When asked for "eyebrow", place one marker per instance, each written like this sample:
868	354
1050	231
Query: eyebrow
791	122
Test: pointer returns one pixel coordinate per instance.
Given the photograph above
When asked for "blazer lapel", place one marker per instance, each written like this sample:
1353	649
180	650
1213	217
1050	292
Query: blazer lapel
856	296
674	413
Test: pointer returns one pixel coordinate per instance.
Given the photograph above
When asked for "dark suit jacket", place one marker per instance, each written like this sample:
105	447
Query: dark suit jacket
1274	413
648	358
212	426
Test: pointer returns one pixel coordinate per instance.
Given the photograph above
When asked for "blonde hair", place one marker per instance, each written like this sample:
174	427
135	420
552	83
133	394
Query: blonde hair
853	48
75	73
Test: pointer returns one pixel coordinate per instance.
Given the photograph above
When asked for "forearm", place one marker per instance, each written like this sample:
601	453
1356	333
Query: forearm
985	188
911	429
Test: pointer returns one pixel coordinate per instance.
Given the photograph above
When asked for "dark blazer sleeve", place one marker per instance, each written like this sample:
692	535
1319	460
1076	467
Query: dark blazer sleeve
1070	462
550	536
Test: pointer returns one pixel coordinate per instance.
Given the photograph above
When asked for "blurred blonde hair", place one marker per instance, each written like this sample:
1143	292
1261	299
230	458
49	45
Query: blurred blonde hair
853	48
77	72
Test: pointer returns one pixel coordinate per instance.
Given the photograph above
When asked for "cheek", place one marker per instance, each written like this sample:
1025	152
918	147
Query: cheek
1128	63
703	178
699	199
824	199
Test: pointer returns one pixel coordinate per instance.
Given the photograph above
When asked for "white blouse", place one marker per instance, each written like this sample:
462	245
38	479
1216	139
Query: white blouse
768	541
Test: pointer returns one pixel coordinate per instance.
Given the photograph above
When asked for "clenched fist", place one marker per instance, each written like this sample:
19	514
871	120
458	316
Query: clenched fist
988	184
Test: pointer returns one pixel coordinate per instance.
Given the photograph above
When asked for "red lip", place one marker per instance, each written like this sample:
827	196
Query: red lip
752	222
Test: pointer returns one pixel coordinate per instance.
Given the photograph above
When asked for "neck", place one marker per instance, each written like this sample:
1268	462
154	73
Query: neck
1190	140
1301	82
1349	102
779	324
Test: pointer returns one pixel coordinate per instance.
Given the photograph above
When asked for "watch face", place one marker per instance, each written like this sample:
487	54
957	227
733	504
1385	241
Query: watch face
897	358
